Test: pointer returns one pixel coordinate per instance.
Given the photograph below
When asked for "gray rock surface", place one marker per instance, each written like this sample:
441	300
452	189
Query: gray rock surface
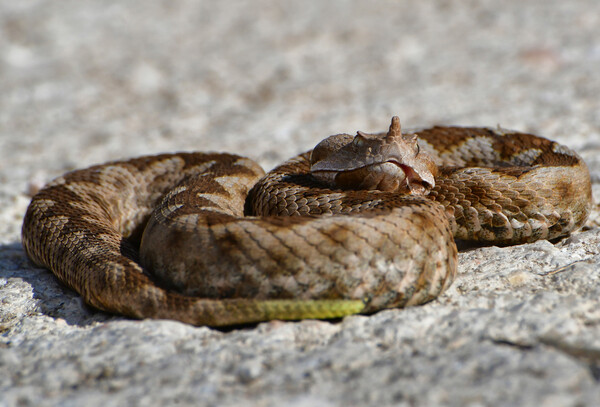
86	82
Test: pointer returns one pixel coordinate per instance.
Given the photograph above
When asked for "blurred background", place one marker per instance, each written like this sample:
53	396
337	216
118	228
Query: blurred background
84	82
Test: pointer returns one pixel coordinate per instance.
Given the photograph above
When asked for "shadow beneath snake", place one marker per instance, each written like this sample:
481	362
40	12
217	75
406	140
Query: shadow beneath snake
19	277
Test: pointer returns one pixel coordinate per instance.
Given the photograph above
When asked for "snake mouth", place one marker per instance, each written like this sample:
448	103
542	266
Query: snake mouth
402	178
411	176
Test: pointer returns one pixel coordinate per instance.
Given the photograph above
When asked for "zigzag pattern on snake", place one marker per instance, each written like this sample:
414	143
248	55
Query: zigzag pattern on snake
363	223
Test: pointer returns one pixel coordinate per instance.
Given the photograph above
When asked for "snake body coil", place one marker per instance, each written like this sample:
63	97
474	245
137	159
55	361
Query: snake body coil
365	223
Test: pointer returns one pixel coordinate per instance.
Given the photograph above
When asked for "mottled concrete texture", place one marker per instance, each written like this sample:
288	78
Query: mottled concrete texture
86	82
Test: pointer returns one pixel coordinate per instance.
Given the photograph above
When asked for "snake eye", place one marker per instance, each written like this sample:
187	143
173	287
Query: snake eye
358	141
418	150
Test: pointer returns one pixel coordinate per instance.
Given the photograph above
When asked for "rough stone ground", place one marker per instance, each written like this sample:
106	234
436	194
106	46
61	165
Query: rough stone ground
85	82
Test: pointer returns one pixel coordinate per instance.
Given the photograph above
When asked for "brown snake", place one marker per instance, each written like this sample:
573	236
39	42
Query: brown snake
223	246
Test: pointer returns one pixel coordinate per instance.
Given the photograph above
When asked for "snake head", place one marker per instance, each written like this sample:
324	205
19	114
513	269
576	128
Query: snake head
383	161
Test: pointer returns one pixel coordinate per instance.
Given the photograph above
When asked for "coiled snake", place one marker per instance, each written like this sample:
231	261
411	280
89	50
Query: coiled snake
361	224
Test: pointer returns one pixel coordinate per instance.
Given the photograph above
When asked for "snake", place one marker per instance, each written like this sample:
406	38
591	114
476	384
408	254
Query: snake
360	223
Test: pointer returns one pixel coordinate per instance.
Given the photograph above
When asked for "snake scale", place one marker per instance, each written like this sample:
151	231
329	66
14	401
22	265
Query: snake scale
359	224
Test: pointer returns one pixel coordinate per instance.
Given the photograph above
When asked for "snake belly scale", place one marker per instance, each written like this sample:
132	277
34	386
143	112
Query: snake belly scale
359	224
